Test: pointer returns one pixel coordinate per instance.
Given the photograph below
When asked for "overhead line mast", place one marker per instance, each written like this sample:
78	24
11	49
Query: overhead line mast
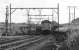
6	21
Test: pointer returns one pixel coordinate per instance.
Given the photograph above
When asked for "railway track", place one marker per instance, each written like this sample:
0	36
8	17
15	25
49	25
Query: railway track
24	42
11	42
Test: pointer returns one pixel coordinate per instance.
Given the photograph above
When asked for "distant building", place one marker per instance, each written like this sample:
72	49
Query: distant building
75	21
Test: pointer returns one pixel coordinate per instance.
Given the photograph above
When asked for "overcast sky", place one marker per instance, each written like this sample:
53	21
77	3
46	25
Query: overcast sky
63	11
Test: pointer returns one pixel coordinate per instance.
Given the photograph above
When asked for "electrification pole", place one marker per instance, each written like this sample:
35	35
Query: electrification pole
71	13
6	21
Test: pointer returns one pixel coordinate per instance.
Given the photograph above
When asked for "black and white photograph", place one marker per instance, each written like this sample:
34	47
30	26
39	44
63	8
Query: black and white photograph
39	24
